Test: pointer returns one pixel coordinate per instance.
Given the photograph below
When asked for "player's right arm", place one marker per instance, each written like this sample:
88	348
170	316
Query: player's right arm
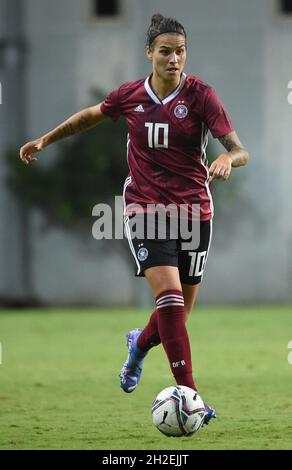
81	121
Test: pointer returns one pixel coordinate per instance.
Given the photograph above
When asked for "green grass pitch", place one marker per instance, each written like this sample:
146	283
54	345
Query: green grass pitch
59	385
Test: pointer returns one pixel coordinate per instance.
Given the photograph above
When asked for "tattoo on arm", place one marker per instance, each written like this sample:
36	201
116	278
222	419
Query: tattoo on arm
230	141
234	148
67	129
82	124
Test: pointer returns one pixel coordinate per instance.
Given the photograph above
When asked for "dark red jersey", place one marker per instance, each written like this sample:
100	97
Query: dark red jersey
167	141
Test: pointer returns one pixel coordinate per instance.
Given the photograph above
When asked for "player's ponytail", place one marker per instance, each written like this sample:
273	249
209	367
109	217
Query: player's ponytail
161	25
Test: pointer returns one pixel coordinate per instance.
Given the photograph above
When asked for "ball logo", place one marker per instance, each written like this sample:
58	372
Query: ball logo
142	254
181	111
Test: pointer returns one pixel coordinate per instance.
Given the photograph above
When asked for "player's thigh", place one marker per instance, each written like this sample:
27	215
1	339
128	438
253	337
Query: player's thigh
149	252
162	278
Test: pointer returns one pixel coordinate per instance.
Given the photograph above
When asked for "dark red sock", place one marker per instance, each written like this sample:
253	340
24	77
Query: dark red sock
174	335
149	336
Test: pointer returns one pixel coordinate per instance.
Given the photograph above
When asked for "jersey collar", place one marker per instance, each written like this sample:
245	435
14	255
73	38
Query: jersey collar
169	97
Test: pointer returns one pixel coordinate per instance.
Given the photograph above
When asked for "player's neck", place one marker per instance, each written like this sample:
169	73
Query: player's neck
163	88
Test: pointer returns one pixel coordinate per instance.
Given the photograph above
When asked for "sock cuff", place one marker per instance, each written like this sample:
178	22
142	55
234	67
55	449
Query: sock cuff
170	298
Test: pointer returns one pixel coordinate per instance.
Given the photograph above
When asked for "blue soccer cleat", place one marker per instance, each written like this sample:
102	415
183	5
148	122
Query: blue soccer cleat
132	368
209	414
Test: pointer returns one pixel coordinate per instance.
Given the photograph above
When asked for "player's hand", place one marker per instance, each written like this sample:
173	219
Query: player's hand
29	149
220	168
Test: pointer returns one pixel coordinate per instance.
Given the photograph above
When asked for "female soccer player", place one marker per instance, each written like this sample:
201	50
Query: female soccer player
168	116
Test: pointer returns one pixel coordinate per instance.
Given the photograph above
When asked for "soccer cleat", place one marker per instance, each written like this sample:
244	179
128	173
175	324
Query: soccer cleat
131	371
209	414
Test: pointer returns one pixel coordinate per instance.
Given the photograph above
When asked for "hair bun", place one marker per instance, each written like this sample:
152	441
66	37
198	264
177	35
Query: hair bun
157	18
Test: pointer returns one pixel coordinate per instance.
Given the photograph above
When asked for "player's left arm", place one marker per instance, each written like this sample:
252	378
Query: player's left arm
236	155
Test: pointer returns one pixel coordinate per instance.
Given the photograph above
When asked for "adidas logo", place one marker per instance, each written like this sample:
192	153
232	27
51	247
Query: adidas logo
139	109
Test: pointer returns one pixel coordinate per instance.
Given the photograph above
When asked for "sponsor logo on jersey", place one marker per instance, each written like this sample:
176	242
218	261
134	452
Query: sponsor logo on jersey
180	111
142	254
139	109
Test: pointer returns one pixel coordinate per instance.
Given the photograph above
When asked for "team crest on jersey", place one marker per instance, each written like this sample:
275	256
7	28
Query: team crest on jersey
142	254
181	111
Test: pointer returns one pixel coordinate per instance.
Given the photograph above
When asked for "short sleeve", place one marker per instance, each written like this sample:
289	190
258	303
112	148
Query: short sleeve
216	116
111	105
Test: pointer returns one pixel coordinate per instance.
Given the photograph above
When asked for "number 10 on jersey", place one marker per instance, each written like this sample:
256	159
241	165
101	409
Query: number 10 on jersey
157	132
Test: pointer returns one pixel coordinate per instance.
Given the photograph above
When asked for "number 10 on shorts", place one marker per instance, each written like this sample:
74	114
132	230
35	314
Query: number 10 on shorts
198	260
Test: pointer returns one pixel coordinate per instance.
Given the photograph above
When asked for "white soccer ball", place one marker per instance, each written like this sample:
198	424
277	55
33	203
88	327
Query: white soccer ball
178	411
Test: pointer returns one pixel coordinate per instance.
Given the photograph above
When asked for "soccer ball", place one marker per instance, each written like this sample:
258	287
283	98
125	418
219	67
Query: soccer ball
178	411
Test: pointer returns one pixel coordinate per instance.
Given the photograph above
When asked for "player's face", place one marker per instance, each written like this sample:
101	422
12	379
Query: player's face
168	56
